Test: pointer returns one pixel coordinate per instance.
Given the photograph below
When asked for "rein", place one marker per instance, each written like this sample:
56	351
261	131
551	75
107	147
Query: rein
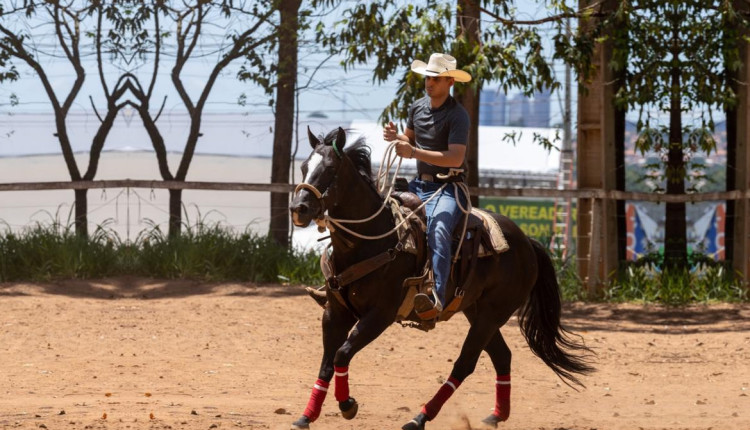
382	180
389	159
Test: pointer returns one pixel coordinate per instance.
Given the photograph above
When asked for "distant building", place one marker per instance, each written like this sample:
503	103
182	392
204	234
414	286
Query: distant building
540	110
518	108
496	109
492	108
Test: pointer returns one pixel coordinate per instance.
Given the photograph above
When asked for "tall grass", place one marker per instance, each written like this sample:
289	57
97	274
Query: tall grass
53	251
213	253
203	251
210	252
705	281
646	281
571	285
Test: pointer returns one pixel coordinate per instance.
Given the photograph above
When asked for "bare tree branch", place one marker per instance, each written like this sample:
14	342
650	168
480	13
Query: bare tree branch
161	109
99	61
157	53
93	106
554	18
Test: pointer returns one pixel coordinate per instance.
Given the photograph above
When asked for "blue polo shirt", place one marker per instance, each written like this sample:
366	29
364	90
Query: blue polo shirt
436	128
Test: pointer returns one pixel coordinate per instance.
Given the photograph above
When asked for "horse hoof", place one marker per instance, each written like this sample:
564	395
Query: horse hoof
416	424
492	421
412	425
349	408
301	424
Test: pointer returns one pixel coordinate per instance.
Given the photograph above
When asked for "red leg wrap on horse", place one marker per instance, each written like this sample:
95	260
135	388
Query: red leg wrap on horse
502	397
432	408
342	383
312	411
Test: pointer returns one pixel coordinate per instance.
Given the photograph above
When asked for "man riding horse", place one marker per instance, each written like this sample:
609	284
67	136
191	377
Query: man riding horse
436	135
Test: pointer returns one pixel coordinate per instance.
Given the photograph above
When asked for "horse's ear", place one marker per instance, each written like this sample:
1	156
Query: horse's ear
314	141
341	138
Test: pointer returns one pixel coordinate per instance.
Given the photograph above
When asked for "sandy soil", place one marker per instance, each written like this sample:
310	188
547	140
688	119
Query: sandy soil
131	354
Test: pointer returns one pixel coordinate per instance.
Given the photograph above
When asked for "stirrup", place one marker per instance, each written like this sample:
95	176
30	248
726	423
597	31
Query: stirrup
319	295
424	307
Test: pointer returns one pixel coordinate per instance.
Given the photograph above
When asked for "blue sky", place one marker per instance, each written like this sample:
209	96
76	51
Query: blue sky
345	95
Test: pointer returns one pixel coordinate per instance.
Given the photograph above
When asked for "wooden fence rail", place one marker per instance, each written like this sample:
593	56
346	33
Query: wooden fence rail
282	188
597	198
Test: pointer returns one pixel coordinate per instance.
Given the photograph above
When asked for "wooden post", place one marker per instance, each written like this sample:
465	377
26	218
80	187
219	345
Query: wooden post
594	256
596	166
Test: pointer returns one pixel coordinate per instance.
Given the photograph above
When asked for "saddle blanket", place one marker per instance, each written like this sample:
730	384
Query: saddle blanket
499	244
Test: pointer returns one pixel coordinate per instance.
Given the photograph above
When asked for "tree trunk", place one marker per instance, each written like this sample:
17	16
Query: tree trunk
675	238
622	229
619	78
175	196
284	123
468	94
731	173
175	212
81	218
733	78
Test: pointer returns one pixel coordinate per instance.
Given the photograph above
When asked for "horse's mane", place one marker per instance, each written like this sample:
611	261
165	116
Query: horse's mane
358	152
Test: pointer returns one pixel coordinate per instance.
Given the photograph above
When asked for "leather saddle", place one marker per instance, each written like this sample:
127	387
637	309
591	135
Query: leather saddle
477	242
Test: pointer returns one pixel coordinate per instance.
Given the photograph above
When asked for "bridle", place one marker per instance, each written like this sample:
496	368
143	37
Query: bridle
320	217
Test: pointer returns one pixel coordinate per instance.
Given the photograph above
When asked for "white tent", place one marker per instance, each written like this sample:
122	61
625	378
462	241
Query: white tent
496	152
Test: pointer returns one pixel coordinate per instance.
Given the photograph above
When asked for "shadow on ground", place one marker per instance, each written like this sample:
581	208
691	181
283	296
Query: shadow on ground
657	319
146	289
576	316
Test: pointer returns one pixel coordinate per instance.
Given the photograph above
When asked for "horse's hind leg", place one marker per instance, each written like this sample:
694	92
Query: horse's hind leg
500	355
480	333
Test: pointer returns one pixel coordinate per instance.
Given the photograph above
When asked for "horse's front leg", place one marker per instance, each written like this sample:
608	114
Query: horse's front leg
337	322
368	329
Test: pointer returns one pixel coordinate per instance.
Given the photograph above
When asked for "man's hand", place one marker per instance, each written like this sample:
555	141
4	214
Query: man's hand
390	132
404	149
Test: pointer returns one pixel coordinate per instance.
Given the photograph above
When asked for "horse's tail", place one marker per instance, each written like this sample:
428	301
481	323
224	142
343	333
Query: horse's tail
540	324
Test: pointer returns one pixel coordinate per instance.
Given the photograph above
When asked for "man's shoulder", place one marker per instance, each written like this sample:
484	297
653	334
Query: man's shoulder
422	102
457	110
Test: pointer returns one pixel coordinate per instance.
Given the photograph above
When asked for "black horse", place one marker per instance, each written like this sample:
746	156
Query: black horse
338	182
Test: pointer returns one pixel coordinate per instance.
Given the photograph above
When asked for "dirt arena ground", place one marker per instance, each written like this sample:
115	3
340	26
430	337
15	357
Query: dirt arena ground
133	354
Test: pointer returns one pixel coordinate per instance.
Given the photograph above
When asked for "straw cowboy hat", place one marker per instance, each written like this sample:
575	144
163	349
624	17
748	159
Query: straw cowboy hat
440	65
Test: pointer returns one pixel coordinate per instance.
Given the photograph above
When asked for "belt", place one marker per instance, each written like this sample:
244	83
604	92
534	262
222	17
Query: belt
431	178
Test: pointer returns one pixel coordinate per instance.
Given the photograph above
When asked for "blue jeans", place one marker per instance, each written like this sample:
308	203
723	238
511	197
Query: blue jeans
443	214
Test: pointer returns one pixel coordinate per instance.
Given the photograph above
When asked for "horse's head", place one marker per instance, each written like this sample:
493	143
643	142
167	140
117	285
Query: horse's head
319	173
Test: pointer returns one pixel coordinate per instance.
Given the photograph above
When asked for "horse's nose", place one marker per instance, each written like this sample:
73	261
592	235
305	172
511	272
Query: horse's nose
299	209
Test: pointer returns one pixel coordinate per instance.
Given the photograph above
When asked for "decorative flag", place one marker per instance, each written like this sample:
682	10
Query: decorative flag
637	239
714	239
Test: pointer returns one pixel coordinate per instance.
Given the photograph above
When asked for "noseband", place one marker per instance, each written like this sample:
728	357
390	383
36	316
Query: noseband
309	187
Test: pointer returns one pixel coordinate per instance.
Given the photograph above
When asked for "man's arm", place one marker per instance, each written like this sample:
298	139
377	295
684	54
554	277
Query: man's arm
406	147
453	157
390	133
